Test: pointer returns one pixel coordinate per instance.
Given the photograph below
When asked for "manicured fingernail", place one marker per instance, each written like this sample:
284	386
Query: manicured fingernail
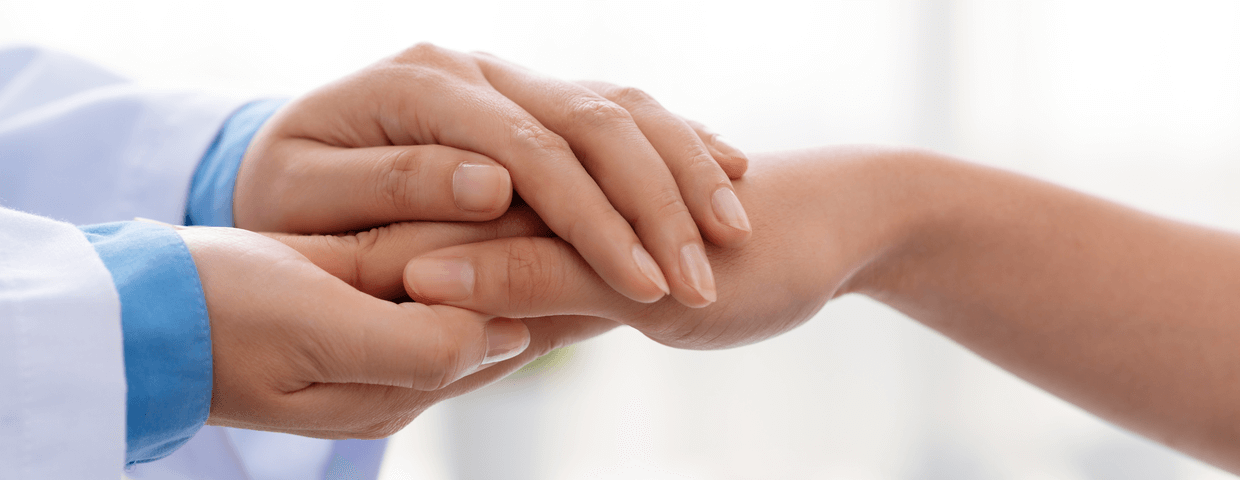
696	271
441	279
728	209
726	148
506	338
646	264
479	188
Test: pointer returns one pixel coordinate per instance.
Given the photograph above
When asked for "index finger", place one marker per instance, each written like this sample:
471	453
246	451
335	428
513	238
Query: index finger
542	166
620	157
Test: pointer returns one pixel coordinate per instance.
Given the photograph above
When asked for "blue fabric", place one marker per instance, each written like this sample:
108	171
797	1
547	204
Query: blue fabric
167	335
211	193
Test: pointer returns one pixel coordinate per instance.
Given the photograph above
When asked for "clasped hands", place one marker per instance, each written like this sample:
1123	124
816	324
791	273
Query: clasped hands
416	158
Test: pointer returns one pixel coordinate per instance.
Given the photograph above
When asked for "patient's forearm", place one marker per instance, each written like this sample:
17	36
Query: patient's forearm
1133	317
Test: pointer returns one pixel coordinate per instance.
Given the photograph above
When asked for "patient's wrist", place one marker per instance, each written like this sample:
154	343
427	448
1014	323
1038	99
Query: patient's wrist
908	202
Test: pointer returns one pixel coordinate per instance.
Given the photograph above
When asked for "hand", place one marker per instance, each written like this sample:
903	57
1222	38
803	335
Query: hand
805	250
297	350
1125	314
433	134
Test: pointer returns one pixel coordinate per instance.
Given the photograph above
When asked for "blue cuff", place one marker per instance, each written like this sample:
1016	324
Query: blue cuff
167	335
211	193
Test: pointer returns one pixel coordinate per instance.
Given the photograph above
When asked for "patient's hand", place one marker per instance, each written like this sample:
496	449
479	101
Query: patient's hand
434	134
815	224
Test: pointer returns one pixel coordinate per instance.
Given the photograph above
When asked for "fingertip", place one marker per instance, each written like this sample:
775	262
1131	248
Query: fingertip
726	237
730	226
482	187
733	161
439	279
698	276
650	269
506	338
734	168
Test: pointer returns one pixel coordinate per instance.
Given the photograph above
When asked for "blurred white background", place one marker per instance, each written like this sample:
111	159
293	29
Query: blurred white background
1133	100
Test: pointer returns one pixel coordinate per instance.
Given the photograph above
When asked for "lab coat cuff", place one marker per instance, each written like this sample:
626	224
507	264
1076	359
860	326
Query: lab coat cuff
215	179
166	331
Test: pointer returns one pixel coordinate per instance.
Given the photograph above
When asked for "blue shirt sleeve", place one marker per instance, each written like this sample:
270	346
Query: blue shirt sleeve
167	335
211	193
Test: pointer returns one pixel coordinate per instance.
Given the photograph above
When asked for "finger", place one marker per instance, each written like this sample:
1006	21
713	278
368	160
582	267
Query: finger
410	345
335	411
373	261
624	164
703	184
544	170
334	189
733	161
514	277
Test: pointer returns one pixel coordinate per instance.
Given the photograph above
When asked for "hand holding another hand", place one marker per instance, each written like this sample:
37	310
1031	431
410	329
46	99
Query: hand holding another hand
298	350
805	250
433	134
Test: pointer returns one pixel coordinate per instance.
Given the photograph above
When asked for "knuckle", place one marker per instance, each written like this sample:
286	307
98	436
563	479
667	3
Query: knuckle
349	250
664	205
532	137
528	276
593	112
698	159
421	50
364	245
630	96
398	174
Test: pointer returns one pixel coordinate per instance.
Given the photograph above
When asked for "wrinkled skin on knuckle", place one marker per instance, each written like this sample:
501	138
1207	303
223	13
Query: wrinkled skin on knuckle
631	97
529	279
534	138
365	243
698	160
595	113
397	175
664	205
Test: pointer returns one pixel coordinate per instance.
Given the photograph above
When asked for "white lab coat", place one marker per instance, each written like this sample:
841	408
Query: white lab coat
81	145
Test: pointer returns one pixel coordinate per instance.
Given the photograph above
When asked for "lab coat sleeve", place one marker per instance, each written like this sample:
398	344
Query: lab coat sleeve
211	192
166	331
62	380
80	144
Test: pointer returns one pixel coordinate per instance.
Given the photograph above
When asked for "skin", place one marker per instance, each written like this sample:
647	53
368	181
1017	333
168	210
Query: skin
304	337
298	348
434	134
1130	316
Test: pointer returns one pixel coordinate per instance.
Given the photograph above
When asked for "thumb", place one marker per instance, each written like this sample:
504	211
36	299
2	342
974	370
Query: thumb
411	345
515	277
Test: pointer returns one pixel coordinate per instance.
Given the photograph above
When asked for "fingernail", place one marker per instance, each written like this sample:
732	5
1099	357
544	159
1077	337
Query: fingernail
696	271
728	209
726	148
441	279
479	188
646	264
506	338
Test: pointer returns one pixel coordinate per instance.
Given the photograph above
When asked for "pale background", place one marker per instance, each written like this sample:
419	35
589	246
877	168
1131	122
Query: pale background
1132	100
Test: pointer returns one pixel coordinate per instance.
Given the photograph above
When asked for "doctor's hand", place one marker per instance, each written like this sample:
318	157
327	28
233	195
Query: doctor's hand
298	350
434	134
301	345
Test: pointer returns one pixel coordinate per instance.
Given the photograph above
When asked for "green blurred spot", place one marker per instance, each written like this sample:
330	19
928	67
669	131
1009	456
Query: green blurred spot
545	364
